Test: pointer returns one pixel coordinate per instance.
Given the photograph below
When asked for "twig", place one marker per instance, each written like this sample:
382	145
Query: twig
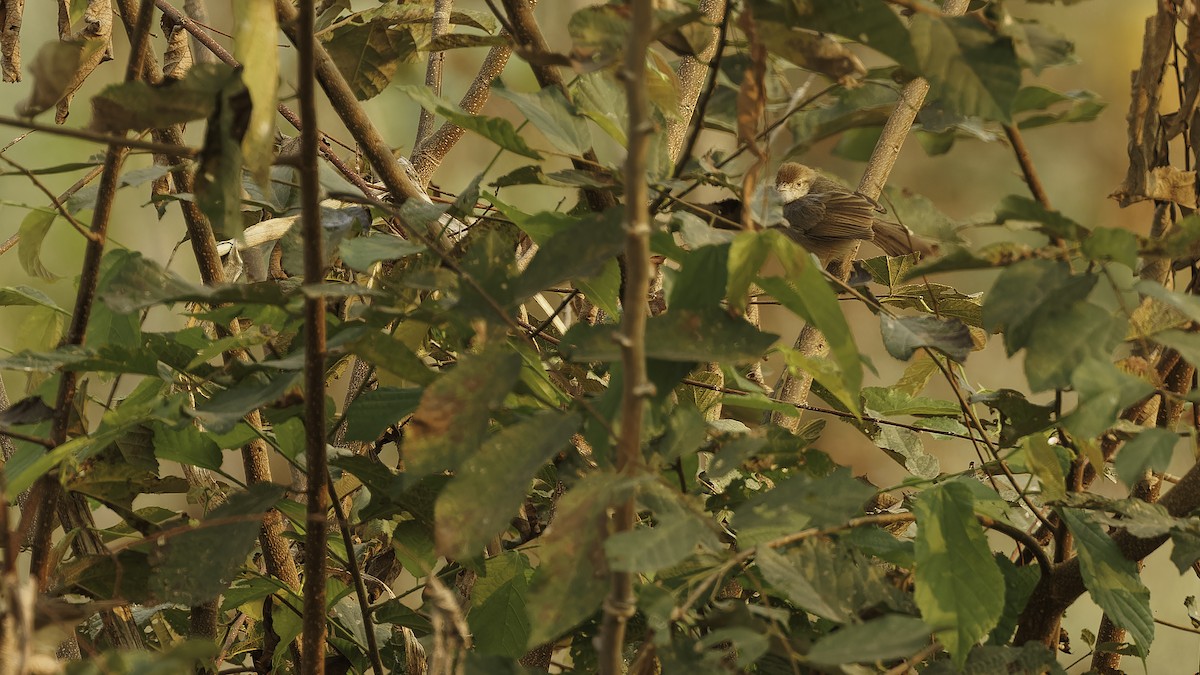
54	200
96	137
1168	624
360	588
929	650
620	604
1027	168
557	310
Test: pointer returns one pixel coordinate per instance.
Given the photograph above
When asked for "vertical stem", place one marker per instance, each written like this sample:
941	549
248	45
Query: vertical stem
433	72
48	489
620	605
315	560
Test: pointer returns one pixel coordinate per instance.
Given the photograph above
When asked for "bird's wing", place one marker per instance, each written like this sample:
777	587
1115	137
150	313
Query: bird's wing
837	216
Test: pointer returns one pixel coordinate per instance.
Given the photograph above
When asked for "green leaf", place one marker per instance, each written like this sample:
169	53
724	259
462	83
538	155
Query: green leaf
1150	450
368	51
253	47
843	110
374	411
702	280
889	637
798	503
553	115
1082	106
677	336
490	487
1112	580
451	420
1047	465
677	533
905	446
218	190
1104	391
138	105
393	356
1113	244
968	67
873	24
1051	223
186	445
361	253
222	541
33	230
1018	417
496	129
26	296
959	587
57	70
904	335
1019	583
1059	345
828	580
498	617
582	249
224	409
565	590
886	401
805	292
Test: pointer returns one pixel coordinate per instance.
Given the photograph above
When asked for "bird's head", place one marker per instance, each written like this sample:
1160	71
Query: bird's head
794	180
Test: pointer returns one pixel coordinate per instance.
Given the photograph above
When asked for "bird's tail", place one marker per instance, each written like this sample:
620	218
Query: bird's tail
897	240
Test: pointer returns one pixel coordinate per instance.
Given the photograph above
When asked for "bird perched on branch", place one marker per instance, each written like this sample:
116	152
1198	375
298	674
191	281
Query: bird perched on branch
827	218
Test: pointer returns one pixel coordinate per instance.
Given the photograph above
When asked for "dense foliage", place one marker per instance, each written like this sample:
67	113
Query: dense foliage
479	494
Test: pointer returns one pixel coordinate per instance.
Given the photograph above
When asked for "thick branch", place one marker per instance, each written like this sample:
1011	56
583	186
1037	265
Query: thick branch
316	460
428	156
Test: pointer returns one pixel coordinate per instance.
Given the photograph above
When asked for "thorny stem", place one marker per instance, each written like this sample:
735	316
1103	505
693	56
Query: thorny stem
316	559
620	605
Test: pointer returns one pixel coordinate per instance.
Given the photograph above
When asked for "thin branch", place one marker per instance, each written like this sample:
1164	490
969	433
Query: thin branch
360	588
929	650
54	200
1027	169
96	137
620	604
557	310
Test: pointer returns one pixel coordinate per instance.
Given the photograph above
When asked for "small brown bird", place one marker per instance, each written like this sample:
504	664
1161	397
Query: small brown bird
827	218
